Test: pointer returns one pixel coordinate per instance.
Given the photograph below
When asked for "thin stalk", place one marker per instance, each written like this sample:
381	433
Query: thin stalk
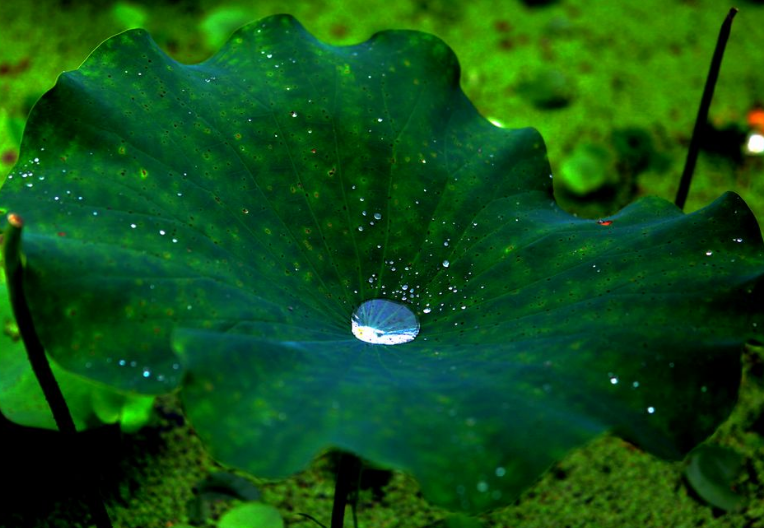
705	103
347	477
14	275
356	491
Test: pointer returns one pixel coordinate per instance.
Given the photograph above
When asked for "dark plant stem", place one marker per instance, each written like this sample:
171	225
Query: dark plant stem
313	519
14	274
347	479
705	103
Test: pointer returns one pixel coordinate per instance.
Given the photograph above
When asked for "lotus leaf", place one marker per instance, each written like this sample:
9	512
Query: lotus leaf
216	225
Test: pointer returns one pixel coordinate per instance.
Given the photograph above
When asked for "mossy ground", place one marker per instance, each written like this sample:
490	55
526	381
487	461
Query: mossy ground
627	65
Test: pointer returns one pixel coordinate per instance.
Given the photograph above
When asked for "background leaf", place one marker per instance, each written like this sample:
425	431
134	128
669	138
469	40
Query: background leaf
240	209
711	472
251	515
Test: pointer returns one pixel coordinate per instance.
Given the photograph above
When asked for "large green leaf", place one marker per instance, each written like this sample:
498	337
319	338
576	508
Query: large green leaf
239	210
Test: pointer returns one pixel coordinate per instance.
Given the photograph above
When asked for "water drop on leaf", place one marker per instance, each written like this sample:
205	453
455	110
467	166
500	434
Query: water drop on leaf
382	322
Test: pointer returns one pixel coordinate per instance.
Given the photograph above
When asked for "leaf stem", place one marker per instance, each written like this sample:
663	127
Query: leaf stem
14	274
705	103
347	476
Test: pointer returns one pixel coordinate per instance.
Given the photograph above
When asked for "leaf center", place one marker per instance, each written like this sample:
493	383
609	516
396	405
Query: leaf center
382	322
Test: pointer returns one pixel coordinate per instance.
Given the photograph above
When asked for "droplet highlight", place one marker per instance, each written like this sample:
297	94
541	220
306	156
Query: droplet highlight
382	322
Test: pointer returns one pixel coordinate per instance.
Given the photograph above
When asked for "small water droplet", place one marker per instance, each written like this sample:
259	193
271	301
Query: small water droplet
377	216
709	253
446	263
382	322
651	410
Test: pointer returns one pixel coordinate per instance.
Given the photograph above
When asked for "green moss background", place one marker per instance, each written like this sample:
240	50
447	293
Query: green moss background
614	71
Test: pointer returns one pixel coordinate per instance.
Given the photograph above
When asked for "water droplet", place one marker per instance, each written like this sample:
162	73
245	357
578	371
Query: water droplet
482	486
382	322
500	471
377	216
446	263
427	310
651	410
709	253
